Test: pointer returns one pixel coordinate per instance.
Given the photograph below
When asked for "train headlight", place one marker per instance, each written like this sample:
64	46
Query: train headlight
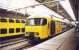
31	33
36	33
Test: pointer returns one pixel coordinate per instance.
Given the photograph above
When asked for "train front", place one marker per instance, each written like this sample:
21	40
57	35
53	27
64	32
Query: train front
36	28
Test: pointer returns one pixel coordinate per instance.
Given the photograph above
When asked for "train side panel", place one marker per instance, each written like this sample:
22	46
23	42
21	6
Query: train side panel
11	27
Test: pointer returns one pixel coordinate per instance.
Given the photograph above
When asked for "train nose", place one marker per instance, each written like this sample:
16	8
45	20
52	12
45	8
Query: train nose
31	33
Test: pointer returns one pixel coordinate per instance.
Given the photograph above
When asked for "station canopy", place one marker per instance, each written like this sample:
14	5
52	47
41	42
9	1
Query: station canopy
26	6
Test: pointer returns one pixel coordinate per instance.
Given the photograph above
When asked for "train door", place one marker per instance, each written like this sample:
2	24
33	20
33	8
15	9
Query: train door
57	27
52	28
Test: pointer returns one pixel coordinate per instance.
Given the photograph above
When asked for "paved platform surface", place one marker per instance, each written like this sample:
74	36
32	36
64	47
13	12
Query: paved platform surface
65	41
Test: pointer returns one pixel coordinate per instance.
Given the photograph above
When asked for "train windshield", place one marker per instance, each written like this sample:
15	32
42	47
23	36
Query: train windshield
36	21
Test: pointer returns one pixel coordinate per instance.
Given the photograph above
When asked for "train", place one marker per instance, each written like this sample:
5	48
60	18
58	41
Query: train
11	27
34	27
44	27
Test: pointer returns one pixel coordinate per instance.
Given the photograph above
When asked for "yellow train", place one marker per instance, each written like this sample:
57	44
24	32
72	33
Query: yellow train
42	27
11	27
35	27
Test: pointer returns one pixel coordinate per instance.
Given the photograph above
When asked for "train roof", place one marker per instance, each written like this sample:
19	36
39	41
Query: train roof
39	17
47	17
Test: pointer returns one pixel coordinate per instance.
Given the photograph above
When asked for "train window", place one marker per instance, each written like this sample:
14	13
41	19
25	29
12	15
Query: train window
23	29
11	30
3	20
23	21
17	29
58	23
36	21
17	21
0	31
44	21
3	31
11	20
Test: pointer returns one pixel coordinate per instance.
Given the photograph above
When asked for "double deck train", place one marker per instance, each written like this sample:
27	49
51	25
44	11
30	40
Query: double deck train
35	27
10	28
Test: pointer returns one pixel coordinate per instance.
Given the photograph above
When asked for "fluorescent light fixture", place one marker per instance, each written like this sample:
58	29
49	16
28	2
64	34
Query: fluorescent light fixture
66	5
66	20
73	23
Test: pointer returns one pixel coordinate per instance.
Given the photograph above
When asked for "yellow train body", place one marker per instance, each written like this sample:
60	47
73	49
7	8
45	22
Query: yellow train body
37	26
11	27
42	31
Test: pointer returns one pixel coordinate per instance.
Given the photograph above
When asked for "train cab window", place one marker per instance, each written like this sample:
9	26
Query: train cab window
23	29
44	21
36	21
17	29
11	30
17	21
3	31
11	20
23	21
3	20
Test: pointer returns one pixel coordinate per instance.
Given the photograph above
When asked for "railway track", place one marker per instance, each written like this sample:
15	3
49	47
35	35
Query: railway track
11	40
14	44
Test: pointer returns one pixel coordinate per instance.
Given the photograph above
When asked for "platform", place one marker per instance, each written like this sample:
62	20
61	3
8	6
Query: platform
65	41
